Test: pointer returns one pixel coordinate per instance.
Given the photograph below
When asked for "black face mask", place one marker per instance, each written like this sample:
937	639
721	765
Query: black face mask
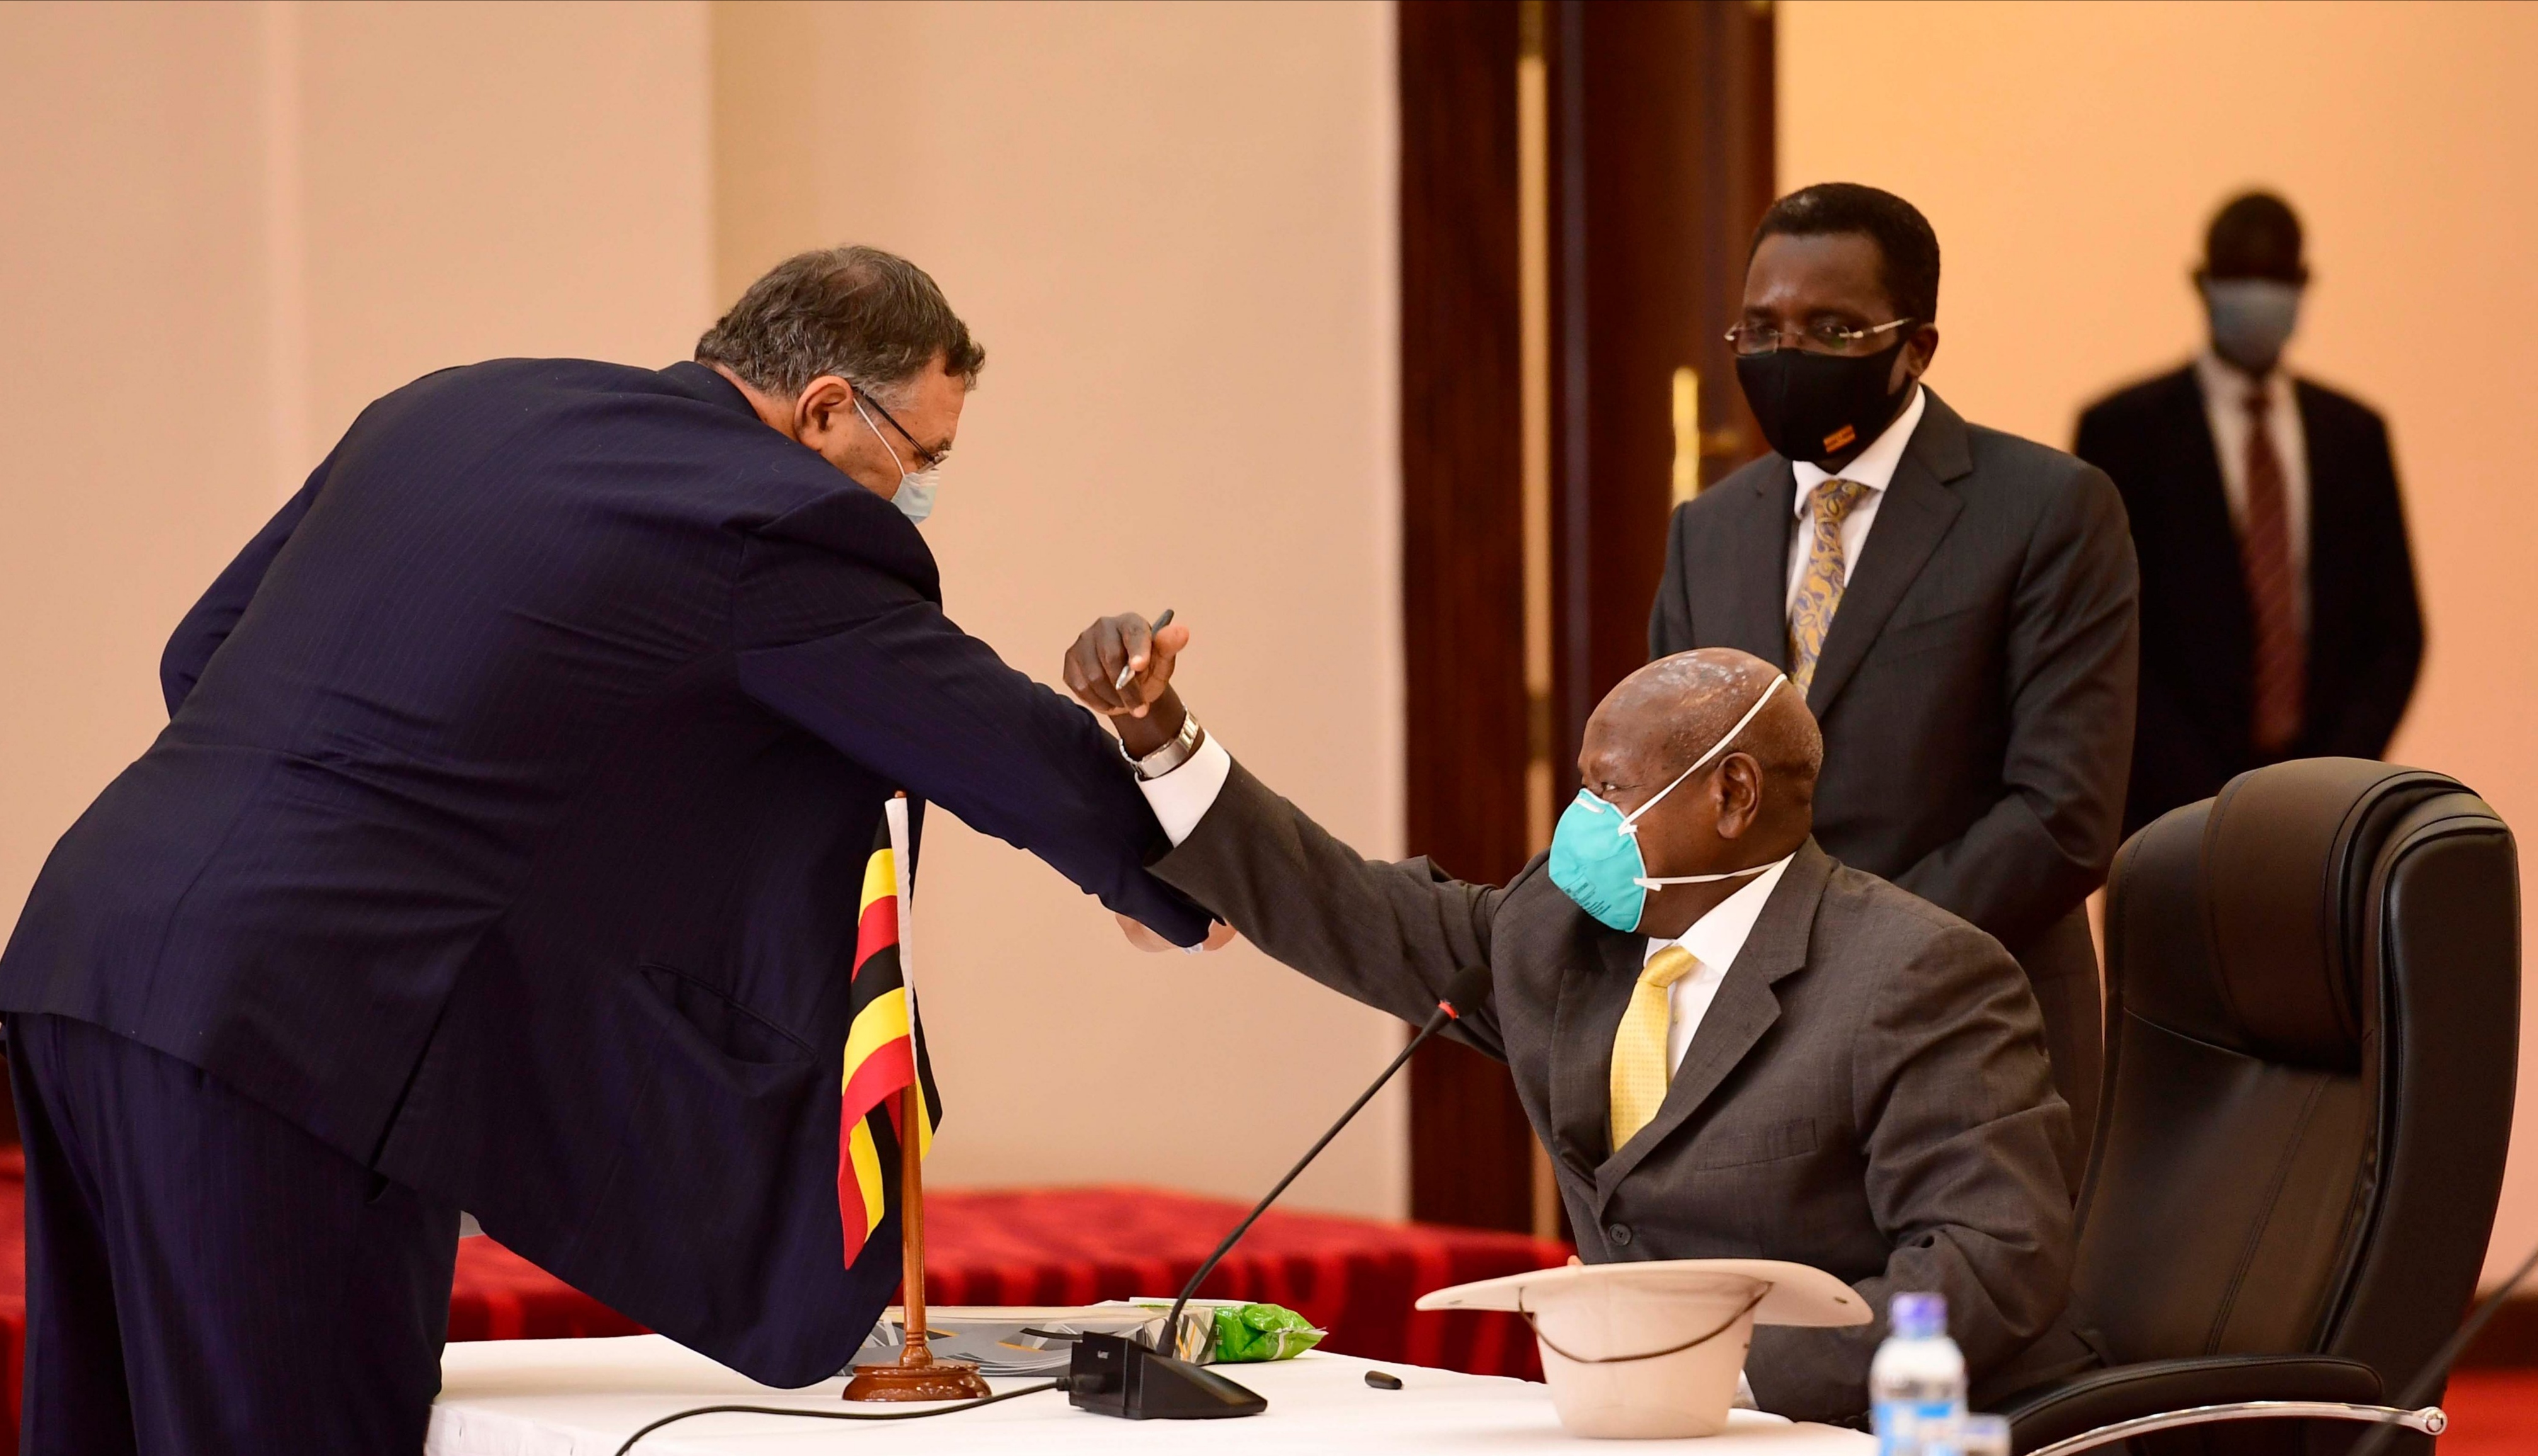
1815	406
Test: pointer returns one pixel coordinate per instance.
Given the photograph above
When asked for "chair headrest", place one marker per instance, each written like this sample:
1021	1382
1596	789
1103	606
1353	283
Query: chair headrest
2285	857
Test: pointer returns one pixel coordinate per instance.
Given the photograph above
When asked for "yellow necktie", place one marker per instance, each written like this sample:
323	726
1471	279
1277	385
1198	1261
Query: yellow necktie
1820	584
1639	1069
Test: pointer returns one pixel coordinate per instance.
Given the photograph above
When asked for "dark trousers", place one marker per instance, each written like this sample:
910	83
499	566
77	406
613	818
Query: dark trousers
203	1276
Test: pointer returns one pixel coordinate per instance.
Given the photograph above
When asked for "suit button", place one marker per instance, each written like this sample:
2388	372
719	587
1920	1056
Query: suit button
1619	1233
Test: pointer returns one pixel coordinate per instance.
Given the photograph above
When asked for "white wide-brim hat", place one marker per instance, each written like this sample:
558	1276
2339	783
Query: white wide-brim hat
1653	1348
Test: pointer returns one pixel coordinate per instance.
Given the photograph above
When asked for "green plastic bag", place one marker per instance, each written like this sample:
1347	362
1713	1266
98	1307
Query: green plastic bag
1262	1332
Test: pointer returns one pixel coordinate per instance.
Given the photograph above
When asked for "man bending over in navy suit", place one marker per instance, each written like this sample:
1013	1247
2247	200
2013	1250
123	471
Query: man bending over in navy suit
499	853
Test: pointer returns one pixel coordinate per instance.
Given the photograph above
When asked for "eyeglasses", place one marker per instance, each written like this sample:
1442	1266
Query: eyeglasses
925	459
1825	336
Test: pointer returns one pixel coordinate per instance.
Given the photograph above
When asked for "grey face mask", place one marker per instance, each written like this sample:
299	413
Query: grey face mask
2252	319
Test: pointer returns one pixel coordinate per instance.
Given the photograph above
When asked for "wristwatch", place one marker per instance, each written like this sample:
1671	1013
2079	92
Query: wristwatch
1170	755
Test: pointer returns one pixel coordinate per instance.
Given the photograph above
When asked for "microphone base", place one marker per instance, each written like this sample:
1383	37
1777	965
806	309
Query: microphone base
1113	1376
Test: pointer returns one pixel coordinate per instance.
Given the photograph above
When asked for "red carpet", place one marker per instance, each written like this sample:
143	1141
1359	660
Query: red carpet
2492	1412
1354	1276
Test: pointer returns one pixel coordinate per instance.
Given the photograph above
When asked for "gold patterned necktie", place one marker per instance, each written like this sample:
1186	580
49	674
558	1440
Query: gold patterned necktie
1639	1069
1820	584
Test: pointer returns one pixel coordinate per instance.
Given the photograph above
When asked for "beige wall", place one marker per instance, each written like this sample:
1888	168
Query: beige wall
1173	226
2069	156
490	179
229	226
139	452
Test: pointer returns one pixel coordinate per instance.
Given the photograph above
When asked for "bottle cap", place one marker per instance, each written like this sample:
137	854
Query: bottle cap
1919	1316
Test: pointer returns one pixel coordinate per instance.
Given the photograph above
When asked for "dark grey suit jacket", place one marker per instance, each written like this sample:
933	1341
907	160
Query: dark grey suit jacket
1976	688
1867	1095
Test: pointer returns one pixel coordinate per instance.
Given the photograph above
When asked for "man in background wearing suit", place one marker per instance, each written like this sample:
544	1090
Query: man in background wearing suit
1955	604
2279	618
1731	1044
501	853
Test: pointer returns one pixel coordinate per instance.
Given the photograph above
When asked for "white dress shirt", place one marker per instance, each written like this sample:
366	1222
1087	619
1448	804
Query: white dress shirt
1182	797
1714	941
2225	407
1875	469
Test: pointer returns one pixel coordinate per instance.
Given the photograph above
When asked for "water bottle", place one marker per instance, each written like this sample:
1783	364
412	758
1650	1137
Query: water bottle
1983	1435
1916	1384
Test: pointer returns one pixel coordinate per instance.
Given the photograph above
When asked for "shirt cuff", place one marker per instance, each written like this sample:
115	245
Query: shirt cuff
1182	797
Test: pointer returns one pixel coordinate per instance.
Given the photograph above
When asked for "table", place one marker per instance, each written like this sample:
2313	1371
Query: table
583	1397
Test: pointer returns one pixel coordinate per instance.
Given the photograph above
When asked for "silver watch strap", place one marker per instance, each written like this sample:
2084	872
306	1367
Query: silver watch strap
1170	755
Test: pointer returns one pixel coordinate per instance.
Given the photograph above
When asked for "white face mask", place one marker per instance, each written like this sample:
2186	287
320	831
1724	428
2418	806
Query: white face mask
2252	319
914	497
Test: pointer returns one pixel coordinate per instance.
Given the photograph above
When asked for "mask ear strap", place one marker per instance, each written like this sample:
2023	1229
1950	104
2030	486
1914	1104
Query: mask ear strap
1631	818
1646	882
895	463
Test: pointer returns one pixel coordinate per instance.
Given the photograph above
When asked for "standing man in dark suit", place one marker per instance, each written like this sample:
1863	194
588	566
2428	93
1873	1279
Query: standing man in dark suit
1731	1044
501	853
2279	618
1956	603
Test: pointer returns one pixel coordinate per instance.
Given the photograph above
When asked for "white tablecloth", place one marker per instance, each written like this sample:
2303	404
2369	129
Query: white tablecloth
583	1397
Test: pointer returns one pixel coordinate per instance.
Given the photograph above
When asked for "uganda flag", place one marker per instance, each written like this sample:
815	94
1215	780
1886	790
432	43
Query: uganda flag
885	1047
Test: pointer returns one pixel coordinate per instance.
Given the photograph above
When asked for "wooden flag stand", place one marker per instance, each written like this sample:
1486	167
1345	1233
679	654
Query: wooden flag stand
916	1375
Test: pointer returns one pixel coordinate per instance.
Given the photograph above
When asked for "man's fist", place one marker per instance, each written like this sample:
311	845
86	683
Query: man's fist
1123	642
1219	934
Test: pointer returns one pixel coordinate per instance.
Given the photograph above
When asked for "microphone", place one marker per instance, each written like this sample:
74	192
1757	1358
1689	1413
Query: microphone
1114	1375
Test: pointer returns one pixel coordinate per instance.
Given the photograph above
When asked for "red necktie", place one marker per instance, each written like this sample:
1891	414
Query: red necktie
2273	602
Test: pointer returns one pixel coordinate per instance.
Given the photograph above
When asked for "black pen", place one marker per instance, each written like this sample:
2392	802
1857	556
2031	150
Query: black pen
1128	674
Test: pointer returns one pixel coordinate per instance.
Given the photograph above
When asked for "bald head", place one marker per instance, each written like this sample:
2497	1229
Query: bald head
1676	708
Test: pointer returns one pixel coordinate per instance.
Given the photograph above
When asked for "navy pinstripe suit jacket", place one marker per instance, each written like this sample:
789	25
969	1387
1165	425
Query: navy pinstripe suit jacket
507	831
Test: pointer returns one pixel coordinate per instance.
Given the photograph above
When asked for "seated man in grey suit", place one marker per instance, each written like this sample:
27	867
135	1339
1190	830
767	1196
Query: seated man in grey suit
1731	1044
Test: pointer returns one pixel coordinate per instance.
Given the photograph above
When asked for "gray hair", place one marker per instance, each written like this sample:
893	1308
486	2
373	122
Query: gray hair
871	318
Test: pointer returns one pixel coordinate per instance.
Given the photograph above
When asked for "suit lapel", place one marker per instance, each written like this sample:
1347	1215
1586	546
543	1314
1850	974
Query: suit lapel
1745	1008
1747	591
1594	991
1917	509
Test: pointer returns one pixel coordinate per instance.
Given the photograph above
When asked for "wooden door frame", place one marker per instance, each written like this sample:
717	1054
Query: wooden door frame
1639	92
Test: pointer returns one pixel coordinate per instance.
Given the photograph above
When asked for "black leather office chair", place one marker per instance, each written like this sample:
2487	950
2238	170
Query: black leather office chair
2313	1026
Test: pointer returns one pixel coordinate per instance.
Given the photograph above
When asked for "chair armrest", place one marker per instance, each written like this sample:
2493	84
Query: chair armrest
2046	1414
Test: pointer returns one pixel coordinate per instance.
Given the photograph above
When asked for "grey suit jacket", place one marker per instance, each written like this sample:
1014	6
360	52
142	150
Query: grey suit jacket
1868	1093
1976	688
